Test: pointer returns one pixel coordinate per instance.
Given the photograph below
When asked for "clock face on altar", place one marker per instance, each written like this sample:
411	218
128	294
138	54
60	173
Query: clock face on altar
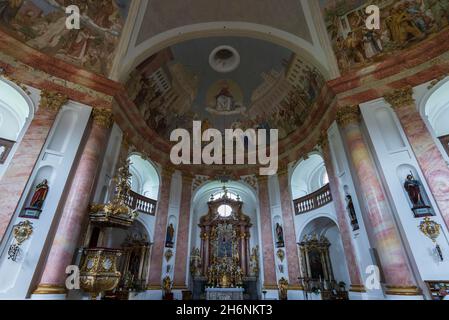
224	211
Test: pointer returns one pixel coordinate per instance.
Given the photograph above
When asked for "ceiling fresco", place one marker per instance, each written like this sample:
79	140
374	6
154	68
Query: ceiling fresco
41	25
164	15
403	24
259	85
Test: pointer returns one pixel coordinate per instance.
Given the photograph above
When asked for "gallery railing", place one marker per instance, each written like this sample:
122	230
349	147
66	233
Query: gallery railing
141	203
313	201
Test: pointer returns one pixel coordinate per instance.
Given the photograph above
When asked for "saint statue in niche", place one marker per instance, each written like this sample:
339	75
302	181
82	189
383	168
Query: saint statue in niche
170	236
34	210
279	236
414	191
351	211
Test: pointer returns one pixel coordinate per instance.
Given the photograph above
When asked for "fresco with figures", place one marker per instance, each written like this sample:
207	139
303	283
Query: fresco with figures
42	25
175	87
403	24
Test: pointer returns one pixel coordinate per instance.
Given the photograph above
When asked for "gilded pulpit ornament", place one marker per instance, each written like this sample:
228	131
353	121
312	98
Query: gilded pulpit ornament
98	272
103	117
432	230
348	114
400	97
117	212
283	289
52	101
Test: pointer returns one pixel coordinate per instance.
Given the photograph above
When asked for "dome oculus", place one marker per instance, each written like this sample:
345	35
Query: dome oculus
224	59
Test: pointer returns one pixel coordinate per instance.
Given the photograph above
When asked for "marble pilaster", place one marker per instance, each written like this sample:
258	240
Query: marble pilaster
157	253
289	229
396	269
16	177
75	210
342	219
182	242
269	280
429	158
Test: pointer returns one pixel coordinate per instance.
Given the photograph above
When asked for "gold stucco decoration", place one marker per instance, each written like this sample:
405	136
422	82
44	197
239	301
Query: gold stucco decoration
400	97
348	114
103	117
52	100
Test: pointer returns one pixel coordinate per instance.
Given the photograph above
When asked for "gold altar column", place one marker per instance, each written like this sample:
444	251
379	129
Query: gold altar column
157	252
342	219
15	179
430	160
393	258
266	226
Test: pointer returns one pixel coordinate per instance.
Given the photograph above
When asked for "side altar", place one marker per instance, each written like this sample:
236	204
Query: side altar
225	268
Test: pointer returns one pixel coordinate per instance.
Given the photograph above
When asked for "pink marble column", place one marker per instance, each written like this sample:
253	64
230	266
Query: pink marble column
266	227
289	229
430	160
155	278
182	241
343	224
76	206
15	179
398	275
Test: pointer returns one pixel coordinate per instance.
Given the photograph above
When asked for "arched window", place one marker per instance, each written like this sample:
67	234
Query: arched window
145	179
437	113
15	115
309	176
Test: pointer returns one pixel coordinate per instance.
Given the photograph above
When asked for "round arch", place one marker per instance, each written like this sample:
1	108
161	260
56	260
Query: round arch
145	176
221	29
308	175
434	109
16	113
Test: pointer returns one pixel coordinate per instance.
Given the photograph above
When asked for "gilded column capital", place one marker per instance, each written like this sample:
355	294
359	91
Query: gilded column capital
52	100
400	98
323	141
167	171
348	114
102	117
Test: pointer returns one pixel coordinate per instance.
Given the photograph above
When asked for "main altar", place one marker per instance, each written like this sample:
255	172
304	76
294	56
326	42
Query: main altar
225	267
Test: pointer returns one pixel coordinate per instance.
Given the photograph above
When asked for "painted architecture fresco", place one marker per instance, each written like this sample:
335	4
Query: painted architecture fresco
172	89
403	24
41	25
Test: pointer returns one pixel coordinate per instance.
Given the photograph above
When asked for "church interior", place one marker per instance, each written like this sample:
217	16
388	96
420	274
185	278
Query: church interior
94	208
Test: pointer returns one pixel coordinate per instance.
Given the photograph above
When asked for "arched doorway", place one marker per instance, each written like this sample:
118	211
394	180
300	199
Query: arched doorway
16	112
323	265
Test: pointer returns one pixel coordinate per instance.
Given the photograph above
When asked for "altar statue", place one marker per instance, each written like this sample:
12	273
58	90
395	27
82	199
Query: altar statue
280	236
254	262
170	236
351	211
37	201
283	289
413	188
